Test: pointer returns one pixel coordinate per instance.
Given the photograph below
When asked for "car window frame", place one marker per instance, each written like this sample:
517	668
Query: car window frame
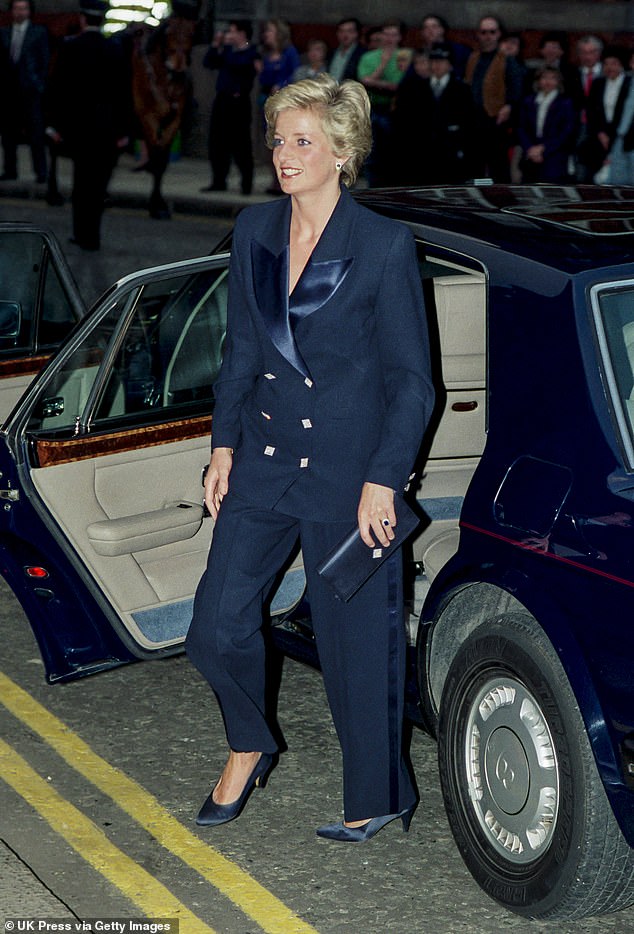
52	256
624	430
427	249
16	426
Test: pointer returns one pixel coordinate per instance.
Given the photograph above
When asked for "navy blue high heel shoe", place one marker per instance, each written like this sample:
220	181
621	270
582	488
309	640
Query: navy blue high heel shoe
344	834
211	813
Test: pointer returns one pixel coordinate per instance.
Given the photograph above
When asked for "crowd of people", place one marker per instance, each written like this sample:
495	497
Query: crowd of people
446	112
79	107
443	112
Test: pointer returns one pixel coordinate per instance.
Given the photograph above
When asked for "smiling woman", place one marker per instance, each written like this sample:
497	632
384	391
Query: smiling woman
321	403
342	124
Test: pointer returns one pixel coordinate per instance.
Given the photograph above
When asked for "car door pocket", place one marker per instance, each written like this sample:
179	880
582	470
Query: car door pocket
144	530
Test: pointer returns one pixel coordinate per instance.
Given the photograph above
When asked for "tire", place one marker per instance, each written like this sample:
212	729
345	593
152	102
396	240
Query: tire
522	793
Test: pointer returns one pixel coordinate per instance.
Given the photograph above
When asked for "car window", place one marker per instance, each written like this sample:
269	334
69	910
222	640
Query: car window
152	356
30	288
170	353
66	394
613	310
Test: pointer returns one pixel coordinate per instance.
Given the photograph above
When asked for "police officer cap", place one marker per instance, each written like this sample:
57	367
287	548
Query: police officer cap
93	7
440	51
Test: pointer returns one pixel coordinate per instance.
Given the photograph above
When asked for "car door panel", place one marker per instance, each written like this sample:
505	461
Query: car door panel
102	491
150	588
112	442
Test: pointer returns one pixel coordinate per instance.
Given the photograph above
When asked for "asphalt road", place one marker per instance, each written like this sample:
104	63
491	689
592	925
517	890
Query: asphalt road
103	776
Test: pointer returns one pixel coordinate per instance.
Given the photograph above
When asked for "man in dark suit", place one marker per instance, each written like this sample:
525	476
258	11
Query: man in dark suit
588	70
344	60
25	57
496	82
89	112
434	124
235	58
604	110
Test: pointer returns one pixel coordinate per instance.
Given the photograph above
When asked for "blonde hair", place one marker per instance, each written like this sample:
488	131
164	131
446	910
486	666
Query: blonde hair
344	110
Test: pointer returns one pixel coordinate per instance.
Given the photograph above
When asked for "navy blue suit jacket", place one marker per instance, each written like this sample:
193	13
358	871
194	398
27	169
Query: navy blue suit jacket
558	137
31	71
332	388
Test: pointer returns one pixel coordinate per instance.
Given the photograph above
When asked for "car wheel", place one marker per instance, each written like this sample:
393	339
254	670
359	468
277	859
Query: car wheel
522	792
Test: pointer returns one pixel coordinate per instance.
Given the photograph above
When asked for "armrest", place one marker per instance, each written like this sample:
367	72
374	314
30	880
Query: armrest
145	530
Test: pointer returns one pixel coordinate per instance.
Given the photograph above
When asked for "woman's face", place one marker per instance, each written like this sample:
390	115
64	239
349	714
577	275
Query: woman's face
302	153
612	67
269	36
548	82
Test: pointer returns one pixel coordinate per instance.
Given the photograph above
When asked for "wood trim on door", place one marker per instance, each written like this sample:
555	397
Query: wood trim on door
52	452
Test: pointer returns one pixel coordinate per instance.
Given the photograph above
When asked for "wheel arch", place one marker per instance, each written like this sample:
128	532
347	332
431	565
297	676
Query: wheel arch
466	606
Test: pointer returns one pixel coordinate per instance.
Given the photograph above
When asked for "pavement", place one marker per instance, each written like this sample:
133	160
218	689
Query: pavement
181	187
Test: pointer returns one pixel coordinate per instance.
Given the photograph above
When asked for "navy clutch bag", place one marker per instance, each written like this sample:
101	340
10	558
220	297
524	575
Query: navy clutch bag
351	562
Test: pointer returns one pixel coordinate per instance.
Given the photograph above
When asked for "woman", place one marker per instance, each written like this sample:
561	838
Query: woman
321	404
546	131
280	58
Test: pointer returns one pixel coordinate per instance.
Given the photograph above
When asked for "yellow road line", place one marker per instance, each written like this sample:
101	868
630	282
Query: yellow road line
272	915
154	900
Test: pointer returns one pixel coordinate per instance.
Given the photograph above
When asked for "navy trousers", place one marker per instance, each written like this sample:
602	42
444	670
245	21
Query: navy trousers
361	647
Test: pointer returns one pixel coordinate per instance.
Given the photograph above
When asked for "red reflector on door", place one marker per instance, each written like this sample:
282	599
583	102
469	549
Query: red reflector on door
36	572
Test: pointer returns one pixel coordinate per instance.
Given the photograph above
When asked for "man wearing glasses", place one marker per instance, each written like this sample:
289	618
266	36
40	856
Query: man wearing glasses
496	86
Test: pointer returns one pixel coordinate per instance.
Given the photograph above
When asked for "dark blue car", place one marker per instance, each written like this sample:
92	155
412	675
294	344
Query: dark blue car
523	633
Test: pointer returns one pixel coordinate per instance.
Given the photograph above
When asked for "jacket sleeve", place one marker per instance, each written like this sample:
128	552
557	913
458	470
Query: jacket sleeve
241	362
403	347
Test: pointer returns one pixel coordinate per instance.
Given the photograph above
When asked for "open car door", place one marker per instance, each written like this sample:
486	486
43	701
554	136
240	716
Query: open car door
39	306
103	533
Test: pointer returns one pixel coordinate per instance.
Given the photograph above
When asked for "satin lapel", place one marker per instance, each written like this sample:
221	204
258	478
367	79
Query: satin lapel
329	264
317	285
322	276
270	282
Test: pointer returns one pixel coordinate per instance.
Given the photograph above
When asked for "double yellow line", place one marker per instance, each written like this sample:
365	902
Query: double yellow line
92	844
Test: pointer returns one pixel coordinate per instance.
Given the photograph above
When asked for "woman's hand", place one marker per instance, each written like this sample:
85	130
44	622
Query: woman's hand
217	479
375	506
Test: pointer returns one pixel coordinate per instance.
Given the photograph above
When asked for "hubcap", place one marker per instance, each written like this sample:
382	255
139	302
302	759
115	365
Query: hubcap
511	770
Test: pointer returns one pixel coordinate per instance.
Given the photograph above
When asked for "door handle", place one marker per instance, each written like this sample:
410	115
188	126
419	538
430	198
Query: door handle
465	406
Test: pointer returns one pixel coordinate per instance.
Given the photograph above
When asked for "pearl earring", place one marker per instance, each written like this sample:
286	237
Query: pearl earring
338	166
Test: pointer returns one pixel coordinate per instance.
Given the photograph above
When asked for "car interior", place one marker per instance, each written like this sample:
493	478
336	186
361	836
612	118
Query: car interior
614	321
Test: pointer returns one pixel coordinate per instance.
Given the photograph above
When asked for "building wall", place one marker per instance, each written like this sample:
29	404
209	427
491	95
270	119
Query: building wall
578	15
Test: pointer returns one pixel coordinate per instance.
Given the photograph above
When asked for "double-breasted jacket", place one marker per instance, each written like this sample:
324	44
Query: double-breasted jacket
331	387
